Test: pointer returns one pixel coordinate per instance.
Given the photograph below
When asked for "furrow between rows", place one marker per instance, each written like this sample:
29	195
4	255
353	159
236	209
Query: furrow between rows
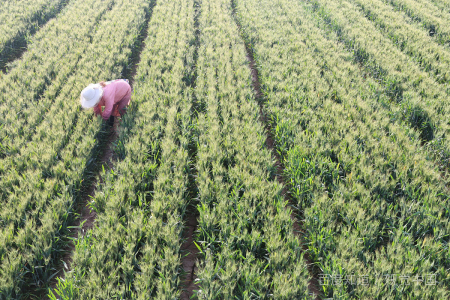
189	250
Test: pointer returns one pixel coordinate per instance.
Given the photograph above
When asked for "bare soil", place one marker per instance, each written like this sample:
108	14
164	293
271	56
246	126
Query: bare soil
189	249
188	262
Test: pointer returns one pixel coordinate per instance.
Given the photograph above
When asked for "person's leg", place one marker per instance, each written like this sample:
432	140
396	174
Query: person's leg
115	111
124	102
111	121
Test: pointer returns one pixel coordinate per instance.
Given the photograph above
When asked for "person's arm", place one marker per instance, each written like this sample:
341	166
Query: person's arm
97	110
108	96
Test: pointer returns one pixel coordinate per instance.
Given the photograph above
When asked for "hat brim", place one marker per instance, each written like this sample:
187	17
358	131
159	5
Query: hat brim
94	101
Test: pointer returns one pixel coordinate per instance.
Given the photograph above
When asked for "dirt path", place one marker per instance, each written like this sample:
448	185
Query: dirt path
189	249
189	261
313	285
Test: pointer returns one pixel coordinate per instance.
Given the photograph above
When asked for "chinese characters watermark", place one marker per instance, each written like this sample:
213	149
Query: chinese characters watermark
391	279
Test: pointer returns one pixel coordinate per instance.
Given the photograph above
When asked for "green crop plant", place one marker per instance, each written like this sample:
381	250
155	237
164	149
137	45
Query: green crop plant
430	17
45	178
354	99
410	38
19	20
368	196
133	252
245	234
385	89
419	89
32	86
443	5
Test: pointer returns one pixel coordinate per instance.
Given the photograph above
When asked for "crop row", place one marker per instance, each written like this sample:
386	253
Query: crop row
19	19
37	206
245	234
410	38
405	102
359	176
431	17
420	98
442	4
133	252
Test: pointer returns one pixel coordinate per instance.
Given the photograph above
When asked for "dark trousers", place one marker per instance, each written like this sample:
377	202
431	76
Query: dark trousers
111	121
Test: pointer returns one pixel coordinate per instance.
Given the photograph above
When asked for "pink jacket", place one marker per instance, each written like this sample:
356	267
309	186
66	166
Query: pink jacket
114	93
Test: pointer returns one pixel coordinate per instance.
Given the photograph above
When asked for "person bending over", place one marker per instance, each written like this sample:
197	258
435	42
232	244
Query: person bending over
114	95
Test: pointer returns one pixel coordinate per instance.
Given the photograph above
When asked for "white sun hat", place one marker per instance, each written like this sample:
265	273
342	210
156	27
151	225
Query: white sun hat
91	95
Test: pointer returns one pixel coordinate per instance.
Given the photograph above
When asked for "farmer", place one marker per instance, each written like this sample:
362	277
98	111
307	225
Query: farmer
113	95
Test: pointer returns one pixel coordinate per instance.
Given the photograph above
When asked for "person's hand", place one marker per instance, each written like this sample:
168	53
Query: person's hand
123	111
102	83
